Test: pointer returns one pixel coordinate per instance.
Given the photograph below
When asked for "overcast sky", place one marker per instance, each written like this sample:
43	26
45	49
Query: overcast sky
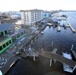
16	5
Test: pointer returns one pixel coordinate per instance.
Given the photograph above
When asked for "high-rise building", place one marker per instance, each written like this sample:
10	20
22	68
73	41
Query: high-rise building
30	16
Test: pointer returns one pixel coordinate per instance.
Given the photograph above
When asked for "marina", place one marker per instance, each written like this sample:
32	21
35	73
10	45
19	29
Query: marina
50	45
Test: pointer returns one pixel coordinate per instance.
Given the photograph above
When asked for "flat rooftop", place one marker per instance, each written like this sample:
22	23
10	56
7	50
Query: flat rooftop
3	38
6	26
21	30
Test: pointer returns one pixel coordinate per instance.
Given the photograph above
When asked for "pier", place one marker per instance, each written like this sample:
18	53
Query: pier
49	24
8	65
73	30
58	58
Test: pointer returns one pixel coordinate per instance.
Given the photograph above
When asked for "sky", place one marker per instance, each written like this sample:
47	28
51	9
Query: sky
17	5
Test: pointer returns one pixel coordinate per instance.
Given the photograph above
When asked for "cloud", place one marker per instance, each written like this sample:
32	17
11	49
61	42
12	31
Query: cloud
8	5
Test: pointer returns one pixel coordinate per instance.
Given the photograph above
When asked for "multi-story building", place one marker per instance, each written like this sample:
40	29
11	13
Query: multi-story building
30	16
8	35
5	40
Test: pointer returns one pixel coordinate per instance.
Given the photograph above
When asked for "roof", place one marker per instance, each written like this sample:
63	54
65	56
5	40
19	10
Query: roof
21	30
6	26
30	10
3	38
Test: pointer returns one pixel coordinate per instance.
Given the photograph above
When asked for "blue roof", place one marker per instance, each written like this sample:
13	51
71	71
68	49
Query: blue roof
6	26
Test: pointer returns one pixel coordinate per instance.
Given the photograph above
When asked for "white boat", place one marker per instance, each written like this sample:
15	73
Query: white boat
58	28
1	72
66	67
42	32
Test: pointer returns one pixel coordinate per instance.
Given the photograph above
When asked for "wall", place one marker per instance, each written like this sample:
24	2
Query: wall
4	42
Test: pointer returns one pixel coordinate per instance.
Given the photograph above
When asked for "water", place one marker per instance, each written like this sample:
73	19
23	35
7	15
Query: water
63	39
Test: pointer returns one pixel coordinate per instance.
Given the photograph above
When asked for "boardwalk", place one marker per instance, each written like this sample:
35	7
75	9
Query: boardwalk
54	51
58	58
8	65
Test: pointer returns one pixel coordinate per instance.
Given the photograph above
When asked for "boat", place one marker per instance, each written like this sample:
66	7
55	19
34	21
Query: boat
1	72
58	28
42	32
66	67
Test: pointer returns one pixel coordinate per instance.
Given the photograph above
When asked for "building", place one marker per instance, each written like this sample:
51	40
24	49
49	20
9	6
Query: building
18	25
4	18
8	35
5	40
31	16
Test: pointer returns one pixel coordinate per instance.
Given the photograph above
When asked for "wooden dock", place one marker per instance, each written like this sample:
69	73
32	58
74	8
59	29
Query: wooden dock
58	58
73	30
54	51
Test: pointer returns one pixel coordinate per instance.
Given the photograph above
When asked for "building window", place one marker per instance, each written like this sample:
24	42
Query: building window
7	44
18	35
0	47
10	42
4	46
5	32
1	33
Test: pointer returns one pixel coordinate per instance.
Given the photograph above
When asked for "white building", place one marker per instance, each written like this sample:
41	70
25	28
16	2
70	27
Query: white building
30	16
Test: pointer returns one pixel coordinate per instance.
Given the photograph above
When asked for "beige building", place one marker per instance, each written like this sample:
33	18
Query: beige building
28	17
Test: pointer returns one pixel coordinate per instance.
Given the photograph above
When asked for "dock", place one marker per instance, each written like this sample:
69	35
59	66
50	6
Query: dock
54	51
58	58
49	24
58	28
73	30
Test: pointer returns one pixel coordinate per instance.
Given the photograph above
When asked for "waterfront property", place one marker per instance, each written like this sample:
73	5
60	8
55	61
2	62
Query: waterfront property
17	35
8	35
5	40
6	29
30	16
